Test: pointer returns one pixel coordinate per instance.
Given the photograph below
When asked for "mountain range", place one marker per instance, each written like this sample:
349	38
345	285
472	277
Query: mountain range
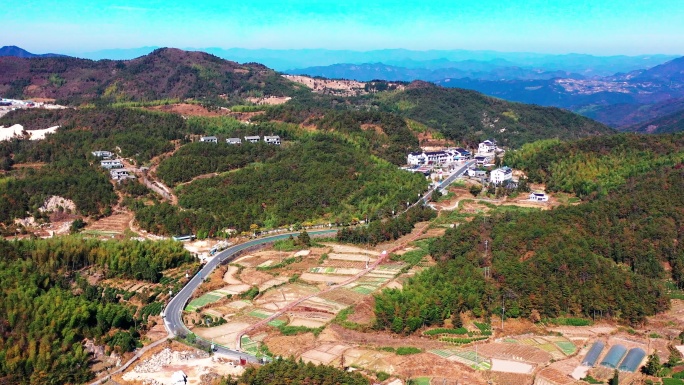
169	73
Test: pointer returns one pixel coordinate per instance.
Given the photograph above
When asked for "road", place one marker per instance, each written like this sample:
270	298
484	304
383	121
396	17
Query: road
426	198
174	309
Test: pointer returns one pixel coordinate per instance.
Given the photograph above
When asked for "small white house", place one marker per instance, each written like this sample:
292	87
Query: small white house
111	163
487	147
416	158
539	196
119	175
209	139
253	139
274	139
461	154
102	154
482	160
234	141
501	175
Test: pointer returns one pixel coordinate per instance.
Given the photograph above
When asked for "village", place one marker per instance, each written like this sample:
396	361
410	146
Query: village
435	164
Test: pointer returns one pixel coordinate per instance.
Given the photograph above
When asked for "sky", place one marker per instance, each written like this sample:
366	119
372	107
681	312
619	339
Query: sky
600	27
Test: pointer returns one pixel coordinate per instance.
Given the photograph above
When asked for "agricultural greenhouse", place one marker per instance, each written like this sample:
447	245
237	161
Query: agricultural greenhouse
593	354
633	360
614	356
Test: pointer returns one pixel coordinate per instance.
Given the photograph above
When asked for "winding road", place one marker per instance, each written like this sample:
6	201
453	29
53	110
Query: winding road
174	309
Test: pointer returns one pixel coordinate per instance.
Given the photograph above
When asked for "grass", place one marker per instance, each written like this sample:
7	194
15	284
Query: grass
419	381
363	290
295	330
672	381
568	321
407	350
567	348
202	301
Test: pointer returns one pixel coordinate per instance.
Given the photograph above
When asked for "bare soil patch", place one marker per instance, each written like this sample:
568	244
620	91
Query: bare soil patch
287	346
187	109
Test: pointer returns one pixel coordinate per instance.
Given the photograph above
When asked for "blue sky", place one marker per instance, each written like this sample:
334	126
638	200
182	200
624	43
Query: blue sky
602	27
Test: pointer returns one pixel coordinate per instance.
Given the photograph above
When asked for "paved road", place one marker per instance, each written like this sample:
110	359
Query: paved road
174	310
446	182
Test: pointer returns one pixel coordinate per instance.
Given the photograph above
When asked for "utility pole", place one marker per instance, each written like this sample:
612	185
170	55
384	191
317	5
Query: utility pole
503	309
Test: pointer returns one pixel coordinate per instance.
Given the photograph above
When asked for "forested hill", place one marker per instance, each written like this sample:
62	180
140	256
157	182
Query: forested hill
604	257
467	117
667	124
164	73
595	166
470	115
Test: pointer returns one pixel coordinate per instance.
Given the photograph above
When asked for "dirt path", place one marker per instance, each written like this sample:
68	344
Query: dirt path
149	179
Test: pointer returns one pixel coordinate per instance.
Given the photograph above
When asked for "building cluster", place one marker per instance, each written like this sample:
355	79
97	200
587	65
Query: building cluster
486	151
7	105
442	157
115	166
270	139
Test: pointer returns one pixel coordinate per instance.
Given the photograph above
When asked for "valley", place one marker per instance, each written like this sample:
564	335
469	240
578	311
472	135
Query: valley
195	215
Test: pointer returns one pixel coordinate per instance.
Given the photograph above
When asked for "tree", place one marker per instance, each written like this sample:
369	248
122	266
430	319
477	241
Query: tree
77	225
456	320
616	378
254	228
304	239
653	365
475	190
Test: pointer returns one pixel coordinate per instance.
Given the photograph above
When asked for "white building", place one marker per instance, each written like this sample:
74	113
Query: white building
501	175
102	154
119	175
416	158
482	160
460	154
274	139
538	196
487	147
111	163
234	141
179	378
209	139
253	139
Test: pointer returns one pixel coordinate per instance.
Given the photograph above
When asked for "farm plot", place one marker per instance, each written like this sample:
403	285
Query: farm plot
464	356
508	366
352	257
281	297
224	334
204	300
557	347
346	249
325	354
515	352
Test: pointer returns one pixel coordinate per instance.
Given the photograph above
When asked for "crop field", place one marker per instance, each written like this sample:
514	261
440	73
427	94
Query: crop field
202	301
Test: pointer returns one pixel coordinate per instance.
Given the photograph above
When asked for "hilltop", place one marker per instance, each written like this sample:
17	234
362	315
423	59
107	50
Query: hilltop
13	50
163	74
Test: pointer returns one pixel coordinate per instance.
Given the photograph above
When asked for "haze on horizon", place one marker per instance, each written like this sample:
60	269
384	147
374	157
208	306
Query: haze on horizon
605	27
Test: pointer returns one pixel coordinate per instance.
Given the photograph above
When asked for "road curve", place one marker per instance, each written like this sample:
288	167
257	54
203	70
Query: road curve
174	309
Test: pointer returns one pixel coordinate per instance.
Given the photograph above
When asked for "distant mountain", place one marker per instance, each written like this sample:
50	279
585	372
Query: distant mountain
117	54
621	100
13	50
289	59
164	73
465	69
663	125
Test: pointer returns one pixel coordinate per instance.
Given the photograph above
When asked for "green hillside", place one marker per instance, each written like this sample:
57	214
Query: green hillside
595	165
321	176
469	116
